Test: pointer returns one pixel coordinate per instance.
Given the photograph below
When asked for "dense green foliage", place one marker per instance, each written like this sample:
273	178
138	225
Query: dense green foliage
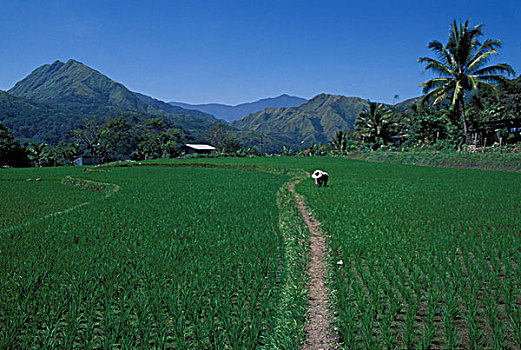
181	258
376	125
72	84
506	104
37	122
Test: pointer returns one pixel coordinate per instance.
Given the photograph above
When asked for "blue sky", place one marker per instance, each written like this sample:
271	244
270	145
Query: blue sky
239	51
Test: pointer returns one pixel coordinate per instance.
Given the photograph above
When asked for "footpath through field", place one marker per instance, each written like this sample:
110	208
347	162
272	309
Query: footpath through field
318	329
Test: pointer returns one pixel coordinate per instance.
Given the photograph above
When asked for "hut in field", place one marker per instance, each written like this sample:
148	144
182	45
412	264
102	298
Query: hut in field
191	148
87	160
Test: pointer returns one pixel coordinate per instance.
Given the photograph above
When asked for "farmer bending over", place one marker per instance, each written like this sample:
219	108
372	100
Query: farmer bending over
320	177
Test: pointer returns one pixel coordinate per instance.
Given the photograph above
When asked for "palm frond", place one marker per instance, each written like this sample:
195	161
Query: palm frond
500	68
495	79
433	94
482	85
434	83
478	61
439	50
444	95
489	44
458	91
476	30
472	82
436	67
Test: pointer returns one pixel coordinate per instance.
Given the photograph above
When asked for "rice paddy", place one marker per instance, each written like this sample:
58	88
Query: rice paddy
184	257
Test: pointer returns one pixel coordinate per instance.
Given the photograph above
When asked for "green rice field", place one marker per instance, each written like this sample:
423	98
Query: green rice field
177	258
212	255
423	258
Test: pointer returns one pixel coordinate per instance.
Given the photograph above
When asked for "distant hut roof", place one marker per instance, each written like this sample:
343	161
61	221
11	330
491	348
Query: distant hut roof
200	147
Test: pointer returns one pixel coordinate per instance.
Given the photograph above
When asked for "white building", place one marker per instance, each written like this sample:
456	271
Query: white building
191	148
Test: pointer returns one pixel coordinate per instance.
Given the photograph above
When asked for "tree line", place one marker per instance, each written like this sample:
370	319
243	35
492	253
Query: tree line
115	139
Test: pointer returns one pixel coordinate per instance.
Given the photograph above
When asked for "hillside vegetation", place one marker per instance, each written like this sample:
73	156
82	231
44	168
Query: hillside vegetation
34	121
317	120
76	85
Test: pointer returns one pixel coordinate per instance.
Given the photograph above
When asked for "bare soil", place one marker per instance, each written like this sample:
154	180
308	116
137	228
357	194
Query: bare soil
318	330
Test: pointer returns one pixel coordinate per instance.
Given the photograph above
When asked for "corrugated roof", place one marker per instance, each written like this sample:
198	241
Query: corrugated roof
200	147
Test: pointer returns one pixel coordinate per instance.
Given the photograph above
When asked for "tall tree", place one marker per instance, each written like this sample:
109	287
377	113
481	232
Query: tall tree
217	134
11	153
87	135
461	67
376	125
117	137
164	144
229	144
428	125
67	153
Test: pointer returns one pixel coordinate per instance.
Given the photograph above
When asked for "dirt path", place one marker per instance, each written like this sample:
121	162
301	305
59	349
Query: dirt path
318	329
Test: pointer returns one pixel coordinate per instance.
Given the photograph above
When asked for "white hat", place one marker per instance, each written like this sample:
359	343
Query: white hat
317	174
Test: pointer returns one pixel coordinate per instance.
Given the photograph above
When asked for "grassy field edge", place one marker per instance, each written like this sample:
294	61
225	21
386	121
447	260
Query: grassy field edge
288	332
486	161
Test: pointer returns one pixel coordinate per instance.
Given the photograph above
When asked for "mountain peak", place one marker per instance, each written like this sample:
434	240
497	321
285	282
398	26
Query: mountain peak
72	62
73	82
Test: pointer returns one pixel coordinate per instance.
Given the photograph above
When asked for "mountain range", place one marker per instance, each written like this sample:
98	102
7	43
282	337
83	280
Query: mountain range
172	109
231	113
317	120
59	97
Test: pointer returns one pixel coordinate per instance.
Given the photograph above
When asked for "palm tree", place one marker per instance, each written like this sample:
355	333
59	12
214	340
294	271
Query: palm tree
460	67
339	143
376	124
